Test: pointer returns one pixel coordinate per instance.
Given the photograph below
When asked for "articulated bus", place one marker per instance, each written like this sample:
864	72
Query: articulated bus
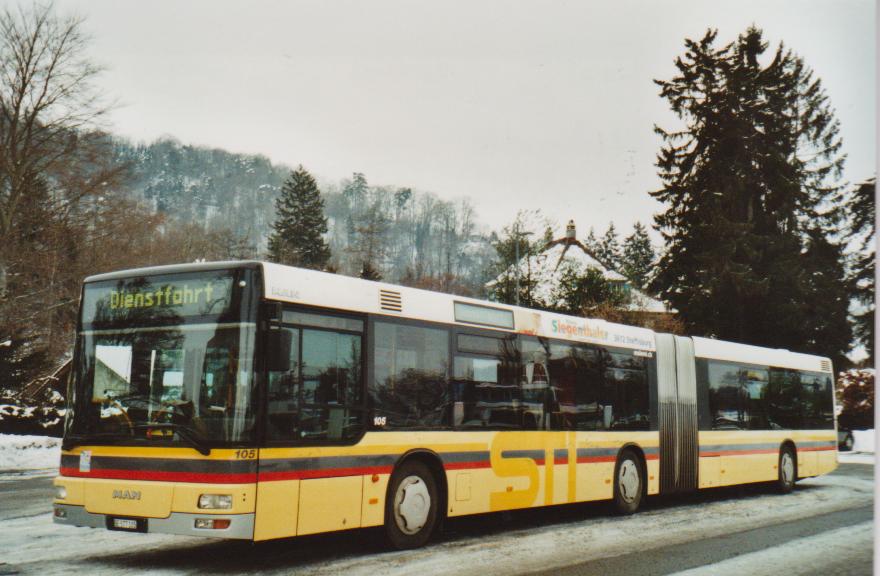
256	401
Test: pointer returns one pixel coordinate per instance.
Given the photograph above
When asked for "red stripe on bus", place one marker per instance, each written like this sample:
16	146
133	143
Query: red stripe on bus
155	476
762	451
738	452
591	459
467	465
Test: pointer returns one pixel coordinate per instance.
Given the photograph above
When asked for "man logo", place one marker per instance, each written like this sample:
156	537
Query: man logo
127	494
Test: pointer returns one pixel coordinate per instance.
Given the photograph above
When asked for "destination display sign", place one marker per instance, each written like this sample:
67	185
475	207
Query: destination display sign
160	298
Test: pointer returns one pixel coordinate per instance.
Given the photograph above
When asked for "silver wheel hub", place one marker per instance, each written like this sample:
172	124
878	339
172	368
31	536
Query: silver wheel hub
628	481
412	503
787	467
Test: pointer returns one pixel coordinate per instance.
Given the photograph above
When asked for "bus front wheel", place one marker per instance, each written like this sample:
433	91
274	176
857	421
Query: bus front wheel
787	470
629	482
411	506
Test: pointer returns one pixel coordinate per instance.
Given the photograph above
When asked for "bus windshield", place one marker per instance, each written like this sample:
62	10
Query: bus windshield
166	359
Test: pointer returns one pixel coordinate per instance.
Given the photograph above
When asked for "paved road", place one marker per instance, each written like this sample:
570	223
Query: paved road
710	553
824	528
24	496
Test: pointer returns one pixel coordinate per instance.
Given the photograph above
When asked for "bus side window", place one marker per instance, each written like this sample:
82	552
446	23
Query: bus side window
818	409
320	398
783	399
570	382
754	382
539	391
330	388
282	394
726	397
486	387
409	388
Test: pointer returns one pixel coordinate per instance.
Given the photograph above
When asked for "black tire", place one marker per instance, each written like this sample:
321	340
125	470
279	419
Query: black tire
787	469
412	480
629	482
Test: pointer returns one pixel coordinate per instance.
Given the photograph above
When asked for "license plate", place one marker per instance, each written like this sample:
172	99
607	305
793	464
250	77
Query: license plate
125	524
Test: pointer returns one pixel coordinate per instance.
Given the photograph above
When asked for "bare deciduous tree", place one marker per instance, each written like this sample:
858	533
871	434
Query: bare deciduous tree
49	108
57	176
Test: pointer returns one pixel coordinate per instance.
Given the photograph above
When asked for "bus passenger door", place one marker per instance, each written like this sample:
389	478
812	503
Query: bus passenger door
277	508
277	505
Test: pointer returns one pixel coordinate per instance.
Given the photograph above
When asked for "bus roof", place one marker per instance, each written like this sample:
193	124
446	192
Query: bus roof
745	353
335	291
310	287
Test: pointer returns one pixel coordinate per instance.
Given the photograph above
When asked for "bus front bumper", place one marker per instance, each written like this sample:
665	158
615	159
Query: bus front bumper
241	526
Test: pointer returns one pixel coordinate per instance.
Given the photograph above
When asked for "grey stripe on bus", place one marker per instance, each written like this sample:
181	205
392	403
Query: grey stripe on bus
533	454
327	462
764	446
164	464
459	457
377	460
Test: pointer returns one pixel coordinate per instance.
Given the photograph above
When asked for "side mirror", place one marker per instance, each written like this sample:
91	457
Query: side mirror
278	346
274	312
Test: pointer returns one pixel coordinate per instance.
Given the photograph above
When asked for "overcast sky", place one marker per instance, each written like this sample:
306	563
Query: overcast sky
513	105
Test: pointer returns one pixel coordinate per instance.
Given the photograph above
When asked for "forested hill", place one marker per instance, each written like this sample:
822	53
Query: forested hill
216	189
407	235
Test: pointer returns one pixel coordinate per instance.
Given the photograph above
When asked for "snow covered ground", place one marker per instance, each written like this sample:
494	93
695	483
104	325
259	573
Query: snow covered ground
29	452
856	458
864	440
807	555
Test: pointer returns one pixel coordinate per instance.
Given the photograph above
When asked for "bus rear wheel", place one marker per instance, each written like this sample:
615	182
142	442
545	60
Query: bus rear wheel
411	508
629	482
787	470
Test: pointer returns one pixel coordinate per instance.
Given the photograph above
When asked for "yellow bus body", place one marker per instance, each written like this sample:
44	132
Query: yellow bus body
309	490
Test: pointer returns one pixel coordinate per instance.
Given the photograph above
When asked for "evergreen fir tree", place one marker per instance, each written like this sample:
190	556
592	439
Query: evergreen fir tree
638	256
298	232
356	190
609	248
591	243
861	210
756	163
826	297
518	238
580	291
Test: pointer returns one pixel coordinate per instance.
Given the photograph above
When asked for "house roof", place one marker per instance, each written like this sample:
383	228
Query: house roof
546	269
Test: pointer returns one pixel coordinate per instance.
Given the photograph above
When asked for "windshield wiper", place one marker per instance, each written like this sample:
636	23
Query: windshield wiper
69	442
183	431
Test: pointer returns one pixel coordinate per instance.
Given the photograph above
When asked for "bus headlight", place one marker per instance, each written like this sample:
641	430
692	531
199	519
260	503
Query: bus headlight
215	501
60	493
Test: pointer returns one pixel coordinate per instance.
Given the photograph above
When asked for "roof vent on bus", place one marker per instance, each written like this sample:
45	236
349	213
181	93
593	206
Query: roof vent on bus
390	300
826	366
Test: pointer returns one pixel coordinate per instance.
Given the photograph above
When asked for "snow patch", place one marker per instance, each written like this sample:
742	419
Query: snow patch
855	458
29	452
864	440
803	556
